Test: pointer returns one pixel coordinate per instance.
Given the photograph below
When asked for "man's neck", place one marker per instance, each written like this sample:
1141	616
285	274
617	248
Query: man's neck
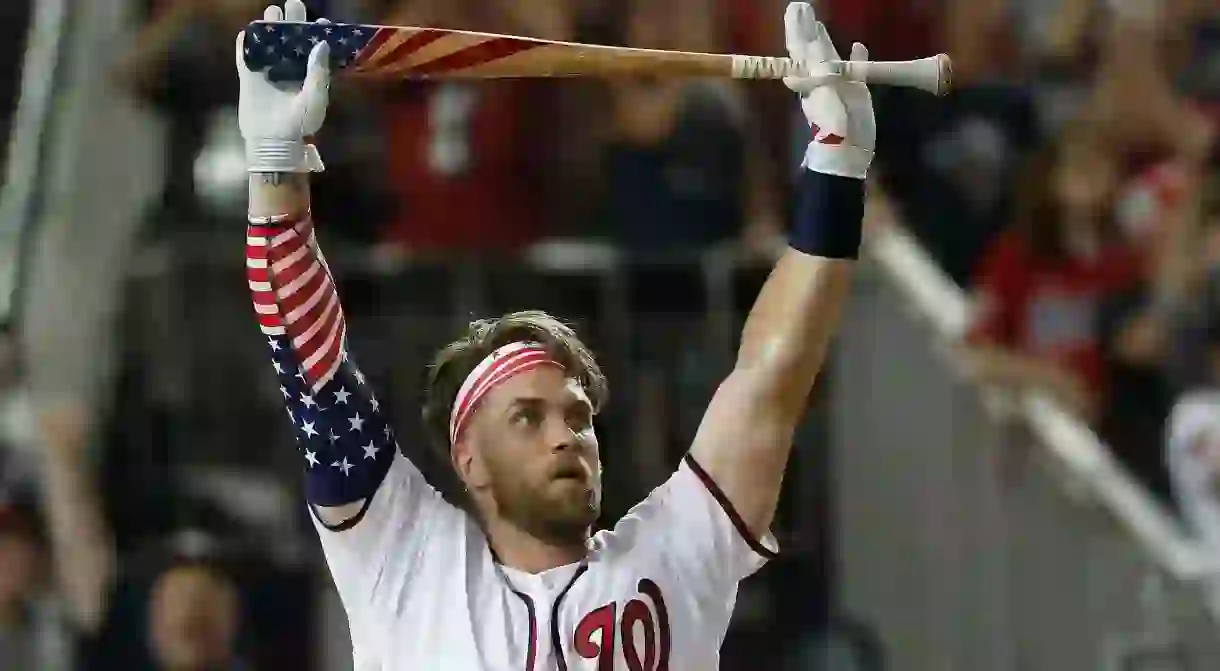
518	549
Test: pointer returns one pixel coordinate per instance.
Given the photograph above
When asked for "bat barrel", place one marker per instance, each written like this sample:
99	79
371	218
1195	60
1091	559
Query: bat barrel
400	52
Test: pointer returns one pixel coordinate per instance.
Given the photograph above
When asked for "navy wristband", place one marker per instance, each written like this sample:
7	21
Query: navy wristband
829	216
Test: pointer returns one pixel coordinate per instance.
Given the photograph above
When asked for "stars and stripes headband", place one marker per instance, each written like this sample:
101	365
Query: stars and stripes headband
507	361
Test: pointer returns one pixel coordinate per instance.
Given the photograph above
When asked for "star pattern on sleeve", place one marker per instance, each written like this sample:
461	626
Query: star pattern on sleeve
341	430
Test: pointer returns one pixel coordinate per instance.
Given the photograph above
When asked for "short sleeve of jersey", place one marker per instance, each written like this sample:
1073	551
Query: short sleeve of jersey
375	557
697	532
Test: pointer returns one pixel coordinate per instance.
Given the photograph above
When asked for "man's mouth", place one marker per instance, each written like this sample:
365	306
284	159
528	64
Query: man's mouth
569	472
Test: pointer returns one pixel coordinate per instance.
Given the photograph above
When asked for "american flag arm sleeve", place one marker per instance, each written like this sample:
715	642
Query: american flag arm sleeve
344	438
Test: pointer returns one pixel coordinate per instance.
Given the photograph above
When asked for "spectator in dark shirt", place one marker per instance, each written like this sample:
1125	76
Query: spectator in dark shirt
184	615
683	168
195	612
949	163
179	611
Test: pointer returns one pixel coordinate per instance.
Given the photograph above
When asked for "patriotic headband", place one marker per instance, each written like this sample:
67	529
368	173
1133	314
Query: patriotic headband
500	365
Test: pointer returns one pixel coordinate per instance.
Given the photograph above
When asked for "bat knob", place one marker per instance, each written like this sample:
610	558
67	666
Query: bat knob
933	74
281	48
944	69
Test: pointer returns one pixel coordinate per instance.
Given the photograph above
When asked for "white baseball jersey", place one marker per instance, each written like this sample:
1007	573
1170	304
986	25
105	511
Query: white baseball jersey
1194	466
423	591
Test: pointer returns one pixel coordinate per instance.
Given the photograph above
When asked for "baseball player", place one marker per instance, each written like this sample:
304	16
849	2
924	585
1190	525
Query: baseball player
514	579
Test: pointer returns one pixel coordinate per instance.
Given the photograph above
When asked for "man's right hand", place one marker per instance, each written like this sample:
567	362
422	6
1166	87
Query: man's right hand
276	118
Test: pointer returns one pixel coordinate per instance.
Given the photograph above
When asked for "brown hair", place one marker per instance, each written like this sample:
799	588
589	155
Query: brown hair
1039	214
453	363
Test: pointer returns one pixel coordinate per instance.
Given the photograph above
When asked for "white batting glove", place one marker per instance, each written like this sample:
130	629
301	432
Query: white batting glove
840	112
275	119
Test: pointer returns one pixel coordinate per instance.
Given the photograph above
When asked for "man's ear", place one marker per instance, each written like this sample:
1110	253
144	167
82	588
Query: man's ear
468	464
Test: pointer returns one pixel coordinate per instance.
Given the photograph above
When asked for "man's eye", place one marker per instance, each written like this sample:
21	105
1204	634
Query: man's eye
526	417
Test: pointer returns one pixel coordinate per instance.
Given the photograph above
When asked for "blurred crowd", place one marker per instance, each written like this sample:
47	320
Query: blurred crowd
1070	184
1072	190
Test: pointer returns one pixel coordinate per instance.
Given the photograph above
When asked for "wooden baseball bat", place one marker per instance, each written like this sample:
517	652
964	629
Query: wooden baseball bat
401	52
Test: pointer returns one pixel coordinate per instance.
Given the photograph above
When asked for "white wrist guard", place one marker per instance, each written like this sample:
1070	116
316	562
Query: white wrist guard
843	160
268	155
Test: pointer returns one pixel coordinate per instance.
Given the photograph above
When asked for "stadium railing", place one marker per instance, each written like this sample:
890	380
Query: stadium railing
977	530
85	159
26	141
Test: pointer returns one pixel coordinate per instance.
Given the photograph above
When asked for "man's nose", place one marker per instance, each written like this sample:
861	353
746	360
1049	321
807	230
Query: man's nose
560	436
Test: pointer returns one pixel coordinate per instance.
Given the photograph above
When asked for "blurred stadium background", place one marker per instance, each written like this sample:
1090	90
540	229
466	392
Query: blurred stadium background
981	483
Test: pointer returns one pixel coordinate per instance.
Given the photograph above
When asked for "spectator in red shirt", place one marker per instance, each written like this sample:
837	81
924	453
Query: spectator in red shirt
1040	284
468	162
461	166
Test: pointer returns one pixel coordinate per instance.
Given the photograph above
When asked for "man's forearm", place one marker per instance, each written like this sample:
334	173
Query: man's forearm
746	436
345	439
789	329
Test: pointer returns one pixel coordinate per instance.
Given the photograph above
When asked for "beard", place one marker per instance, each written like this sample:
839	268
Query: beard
557	510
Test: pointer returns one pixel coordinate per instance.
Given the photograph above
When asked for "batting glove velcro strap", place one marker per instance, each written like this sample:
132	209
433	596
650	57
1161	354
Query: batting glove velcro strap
270	155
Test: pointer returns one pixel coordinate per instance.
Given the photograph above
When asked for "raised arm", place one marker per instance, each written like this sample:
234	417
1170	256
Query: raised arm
744	440
372	507
345	440
347	447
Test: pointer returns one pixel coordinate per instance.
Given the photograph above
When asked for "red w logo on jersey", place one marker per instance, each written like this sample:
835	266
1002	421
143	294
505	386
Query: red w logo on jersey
596	634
